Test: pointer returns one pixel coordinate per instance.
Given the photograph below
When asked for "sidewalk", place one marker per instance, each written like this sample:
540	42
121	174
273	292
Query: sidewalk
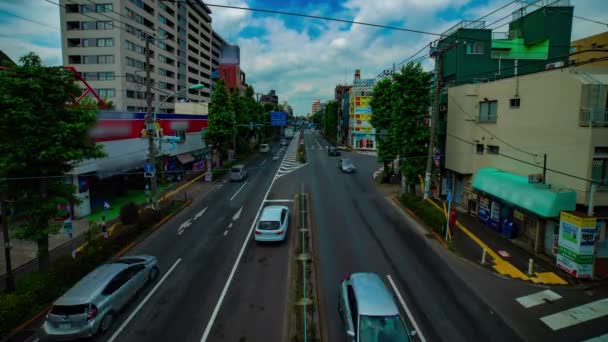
23	253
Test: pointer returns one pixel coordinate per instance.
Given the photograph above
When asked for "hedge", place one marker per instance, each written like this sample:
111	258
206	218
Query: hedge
425	211
37	290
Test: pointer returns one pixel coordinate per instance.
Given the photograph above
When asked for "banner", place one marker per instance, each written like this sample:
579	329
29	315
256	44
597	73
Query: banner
576	244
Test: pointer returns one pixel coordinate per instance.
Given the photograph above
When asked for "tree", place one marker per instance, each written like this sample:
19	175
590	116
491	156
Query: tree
242	117
43	138
330	121
222	124
382	118
410	105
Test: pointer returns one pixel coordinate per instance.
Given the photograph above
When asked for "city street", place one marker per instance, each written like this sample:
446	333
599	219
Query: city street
218	285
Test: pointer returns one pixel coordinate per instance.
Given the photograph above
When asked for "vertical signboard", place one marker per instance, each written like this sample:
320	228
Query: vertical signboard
365	134
576	244
494	219
483	211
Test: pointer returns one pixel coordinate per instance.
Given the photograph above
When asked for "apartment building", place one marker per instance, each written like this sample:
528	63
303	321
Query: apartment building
105	42
525	148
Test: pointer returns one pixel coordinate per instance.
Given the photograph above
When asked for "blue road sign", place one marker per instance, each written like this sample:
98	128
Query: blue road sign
148	168
278	119
449	196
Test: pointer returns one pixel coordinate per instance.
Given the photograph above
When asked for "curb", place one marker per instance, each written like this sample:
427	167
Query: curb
23	325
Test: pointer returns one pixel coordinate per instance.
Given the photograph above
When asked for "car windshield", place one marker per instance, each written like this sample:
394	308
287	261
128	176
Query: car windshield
268	225
382	329
347	162
127	261
236	169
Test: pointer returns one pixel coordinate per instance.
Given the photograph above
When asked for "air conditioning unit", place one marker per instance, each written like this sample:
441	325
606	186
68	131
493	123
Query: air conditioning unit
555	65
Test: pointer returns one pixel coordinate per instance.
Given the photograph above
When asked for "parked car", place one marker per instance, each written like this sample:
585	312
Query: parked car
346	165
264	148
368	310
283	142
90	306
238	173
273	224
333	151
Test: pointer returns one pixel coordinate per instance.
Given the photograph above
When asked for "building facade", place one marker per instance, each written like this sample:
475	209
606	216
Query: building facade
361	134
110	50
501	134
271	97
590	48
316	105
537	38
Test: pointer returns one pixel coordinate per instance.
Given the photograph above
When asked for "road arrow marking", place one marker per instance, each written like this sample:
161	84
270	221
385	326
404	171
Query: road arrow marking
230	225
184	225
199	214
237	215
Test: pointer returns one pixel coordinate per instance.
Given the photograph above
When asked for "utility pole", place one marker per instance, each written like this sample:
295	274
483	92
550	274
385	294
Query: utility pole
10	278
432	120
149	121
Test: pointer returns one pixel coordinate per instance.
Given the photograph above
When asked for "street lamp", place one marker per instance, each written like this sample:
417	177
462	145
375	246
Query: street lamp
152	132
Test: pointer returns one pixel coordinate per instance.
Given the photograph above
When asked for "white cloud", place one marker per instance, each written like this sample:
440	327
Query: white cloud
229	21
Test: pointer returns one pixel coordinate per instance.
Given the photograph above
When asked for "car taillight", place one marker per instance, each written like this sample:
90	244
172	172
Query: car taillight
257	232
92	312
279	232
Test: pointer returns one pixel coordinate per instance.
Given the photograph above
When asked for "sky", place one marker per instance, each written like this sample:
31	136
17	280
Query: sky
303	59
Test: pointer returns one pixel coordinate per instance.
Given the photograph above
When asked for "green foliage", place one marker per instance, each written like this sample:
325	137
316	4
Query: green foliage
411	100
330	121
42	139
382	118
425	211
222	123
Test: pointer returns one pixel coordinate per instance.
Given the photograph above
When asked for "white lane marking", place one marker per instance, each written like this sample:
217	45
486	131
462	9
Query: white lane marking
577	315
143	302
225	232
37	339
220	300
237	192
237	215
230	225
199	214
263	162
537	298
407	311
278	200
183	227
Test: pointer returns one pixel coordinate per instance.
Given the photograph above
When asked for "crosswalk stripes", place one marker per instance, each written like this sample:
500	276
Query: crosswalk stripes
568	317
290	163
368	153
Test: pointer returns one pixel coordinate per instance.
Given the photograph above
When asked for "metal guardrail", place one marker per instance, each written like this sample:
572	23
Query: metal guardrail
594	117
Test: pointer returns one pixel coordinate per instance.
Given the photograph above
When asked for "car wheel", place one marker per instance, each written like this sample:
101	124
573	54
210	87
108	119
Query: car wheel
106	323
153	274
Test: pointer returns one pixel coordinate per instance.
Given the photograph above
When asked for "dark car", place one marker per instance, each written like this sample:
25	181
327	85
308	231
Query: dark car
333	151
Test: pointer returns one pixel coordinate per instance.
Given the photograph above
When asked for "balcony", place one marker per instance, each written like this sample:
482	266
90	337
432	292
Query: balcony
593	117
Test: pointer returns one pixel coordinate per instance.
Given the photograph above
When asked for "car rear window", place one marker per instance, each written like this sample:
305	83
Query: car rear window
69	310
236	169
268	225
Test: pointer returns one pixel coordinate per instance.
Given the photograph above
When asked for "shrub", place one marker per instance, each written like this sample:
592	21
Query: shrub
129	213
425	211
148	217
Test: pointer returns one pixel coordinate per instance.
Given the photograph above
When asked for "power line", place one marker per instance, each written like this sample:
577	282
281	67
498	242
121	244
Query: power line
30	20
525	162
576	16
309	16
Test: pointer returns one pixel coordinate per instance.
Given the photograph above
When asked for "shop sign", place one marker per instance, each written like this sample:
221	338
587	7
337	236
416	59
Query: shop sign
518	215
494	220
483	211
576	244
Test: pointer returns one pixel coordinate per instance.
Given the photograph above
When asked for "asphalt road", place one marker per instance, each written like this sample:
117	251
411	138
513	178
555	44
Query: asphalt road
197	250
358	230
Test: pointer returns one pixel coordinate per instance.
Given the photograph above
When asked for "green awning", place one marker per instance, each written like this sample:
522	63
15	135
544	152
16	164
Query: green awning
540	199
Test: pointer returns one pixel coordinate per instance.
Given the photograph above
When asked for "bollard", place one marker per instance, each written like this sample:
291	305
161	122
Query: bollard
483	257
530	267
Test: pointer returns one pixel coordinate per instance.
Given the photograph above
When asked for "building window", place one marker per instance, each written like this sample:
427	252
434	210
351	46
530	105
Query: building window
475	48
105	42
487	111
514	103
108	92
599	168
493	149
105	59
480	148
162	19
162	72
182	135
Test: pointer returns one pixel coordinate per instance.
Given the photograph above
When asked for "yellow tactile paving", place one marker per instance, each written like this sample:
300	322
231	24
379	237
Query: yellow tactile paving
504	267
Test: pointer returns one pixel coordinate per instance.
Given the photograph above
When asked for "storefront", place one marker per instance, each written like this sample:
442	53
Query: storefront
526	212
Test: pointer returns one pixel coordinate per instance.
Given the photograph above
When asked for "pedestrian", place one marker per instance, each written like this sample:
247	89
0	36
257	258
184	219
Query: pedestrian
67	226
104	227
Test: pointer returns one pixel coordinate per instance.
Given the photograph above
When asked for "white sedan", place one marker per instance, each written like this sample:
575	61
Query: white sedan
273	224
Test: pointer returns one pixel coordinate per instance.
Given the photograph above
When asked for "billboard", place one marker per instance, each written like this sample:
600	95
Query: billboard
576	244
278	119
364	82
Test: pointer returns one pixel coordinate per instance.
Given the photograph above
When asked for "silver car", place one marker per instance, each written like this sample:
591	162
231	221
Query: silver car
273	224
346	165
90	306
369	311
